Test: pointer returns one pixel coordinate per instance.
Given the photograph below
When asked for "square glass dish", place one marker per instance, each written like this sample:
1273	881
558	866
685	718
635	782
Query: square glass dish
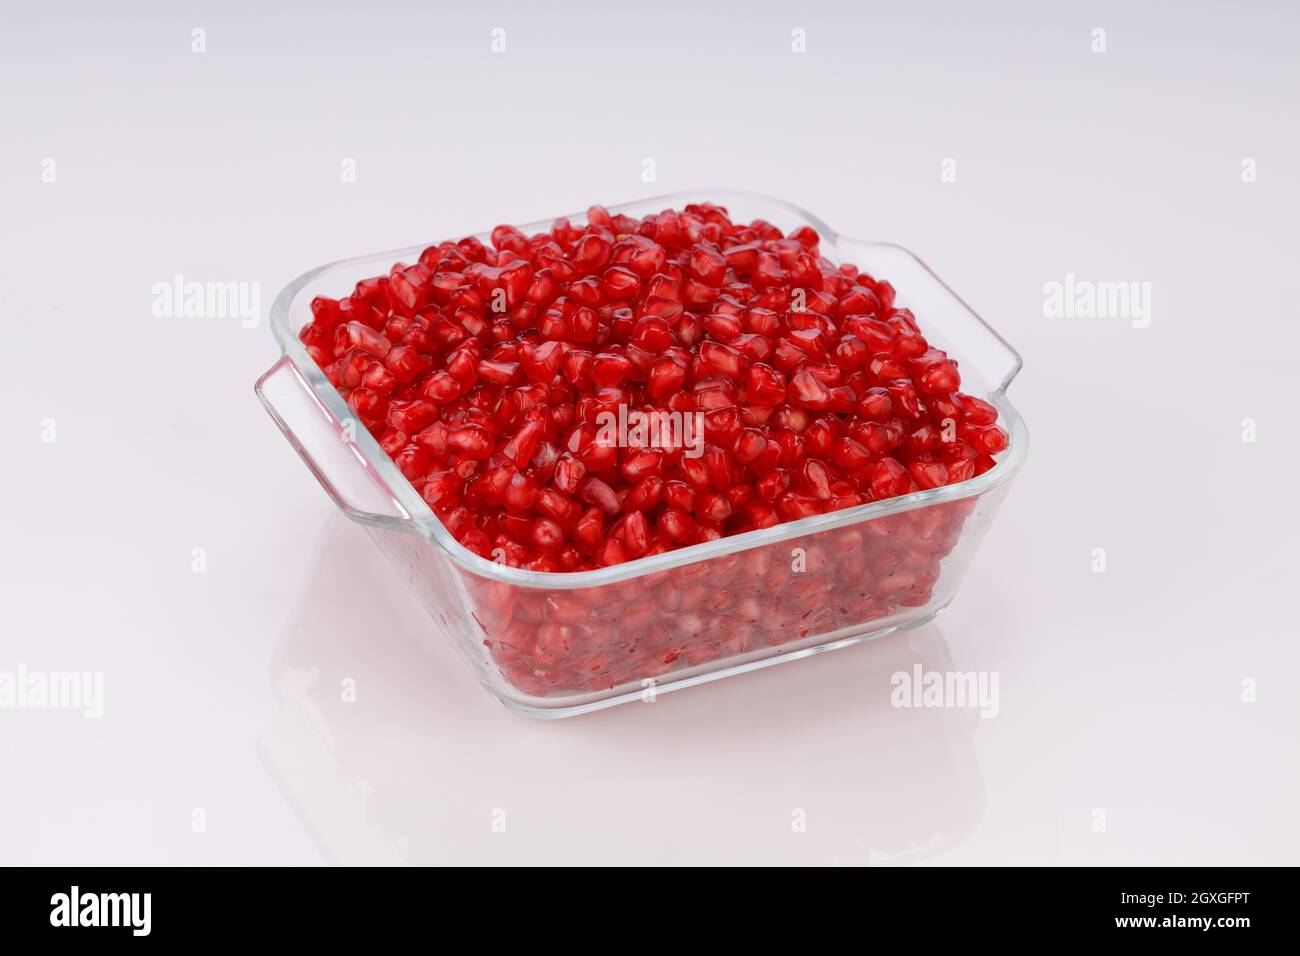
559	644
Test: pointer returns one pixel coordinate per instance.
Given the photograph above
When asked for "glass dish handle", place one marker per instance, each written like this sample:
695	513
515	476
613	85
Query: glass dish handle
326	446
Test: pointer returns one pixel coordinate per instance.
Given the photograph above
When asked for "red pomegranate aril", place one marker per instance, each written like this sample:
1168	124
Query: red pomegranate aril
928	473
599	494
641	463
557	506
645	494
976	411
406	363
850	454
815	478
392	441
521	493
764	385
589	531
750	445
411	416
938	379
441	488
989	439
546	535
620	282
470	441
523	443
355	335
369	405
498	373
413	462
708	264
541	362
635	533
772	485
793	505
378	379
667	375
569	472
677	525
888	479
652	333
808	390
610	369
903	395
722	327
722	358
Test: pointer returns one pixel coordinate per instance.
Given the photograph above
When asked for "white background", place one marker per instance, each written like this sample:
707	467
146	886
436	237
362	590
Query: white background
1120	692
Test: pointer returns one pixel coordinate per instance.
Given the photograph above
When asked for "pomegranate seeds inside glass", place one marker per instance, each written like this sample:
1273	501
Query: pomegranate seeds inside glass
660	442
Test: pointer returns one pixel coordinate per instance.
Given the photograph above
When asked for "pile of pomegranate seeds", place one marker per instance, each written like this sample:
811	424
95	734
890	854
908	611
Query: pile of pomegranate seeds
492	377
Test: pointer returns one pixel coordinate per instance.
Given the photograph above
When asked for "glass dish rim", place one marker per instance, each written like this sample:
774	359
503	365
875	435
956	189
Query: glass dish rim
419	519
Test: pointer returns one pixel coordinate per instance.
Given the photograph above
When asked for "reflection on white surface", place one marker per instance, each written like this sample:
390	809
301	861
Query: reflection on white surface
388	751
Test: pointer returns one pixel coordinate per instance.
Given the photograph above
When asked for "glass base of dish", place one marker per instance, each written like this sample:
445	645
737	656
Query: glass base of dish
833	641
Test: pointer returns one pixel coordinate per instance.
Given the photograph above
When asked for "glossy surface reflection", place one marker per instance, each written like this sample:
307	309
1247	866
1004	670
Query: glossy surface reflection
388	752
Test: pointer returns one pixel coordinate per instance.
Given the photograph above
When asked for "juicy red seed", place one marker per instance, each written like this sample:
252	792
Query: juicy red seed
636	534
556	506
849	454
471	441
875	405
521	446
354	335
723	327
708	265
652	333
713	506
405	363
484	373
620	282
569	472
610	369
888	479
809	391
991	440
792	506
977	411
498	373
546	536
600	495
928	474
939	379
750	444
722	358
667	375
441	488
591	253
677	525
541	362
589	531
411	417
764	385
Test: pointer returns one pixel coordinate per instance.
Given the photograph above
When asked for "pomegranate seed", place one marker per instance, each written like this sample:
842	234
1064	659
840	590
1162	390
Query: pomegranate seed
355	335
807	389
471	441
610	369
